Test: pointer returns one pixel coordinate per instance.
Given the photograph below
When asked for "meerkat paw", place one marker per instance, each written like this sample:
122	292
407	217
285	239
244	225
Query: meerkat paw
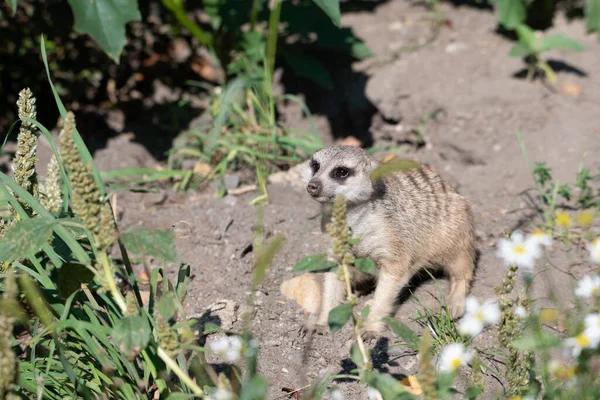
456	309
310	328
373	332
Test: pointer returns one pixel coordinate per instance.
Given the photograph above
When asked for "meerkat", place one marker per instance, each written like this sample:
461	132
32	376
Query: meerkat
404	220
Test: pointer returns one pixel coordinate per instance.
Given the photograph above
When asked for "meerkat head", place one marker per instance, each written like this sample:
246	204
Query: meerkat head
341	170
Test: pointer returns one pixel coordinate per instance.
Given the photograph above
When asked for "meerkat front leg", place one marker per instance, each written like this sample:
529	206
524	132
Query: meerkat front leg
332	295
389	284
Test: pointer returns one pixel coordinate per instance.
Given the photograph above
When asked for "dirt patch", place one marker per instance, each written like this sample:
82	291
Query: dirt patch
466	74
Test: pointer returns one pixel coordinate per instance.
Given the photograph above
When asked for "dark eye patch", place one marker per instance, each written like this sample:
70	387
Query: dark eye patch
341	173
314	165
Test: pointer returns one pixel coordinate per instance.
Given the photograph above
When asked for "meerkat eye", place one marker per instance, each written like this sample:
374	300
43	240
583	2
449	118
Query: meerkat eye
341	172
314	166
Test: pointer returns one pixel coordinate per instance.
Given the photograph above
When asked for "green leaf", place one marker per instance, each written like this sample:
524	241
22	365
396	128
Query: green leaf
559	41
473	392
70	276
314	262
166	306
365	312
131	335
592	16
339	316
527	37
159	244
402	330
13	309
356	355
13	6
365	265
520	50
389	387
444	385
511	13
309	67
332	9
104	21
254	389
26	238
542	340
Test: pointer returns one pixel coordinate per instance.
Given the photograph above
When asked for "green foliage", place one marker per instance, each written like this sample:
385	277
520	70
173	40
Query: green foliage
592	15
132	335
70	277
314	262
404	332
339	316
158	243
26	238
365	265
511	13
531	47
105	22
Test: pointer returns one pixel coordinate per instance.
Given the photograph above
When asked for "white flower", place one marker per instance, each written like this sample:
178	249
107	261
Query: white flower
518	251
585	340
229	347
594	249
520	312
541	238
453	356
373	394
592	326
222	394
589	286
478	316
336	394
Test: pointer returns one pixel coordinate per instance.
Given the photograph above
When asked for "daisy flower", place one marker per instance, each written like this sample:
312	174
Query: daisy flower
585	340
222	394
588	286
562	219
585	219
520	312
518	251
540	237
594	249
336	394
229	347
373	394
478	315
592	324
453	356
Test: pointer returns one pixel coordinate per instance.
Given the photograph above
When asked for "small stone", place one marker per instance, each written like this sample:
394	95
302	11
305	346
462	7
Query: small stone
285	370
304	290
455	47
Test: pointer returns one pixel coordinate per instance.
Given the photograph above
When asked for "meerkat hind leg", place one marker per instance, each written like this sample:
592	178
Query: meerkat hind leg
460	272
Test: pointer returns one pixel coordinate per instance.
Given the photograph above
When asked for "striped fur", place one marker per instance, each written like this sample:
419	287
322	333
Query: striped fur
405	221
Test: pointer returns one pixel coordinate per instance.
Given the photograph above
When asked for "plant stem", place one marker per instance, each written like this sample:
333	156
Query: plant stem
254	14
108	273
176	7
271	50
179	372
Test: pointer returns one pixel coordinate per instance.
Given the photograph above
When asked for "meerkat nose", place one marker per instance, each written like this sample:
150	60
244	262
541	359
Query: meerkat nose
313	188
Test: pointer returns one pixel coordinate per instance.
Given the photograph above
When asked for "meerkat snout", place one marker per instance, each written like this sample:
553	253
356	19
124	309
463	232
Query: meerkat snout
405	220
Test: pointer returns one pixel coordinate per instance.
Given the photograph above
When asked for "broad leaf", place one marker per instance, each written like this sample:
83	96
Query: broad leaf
365	265
559	41
254	389
104	21
167	306
339	316
520	50
13	6
403	331
542	340
314	262
309	67
332	9
26	238
71	276
592	16
527	37
131	335
511	13
158	244
388	386
356	355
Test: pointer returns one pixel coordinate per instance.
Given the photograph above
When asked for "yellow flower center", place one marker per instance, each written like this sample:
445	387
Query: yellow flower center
596	291
582	340
562	219
479	315
585	219
455	363
519	248
538	232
